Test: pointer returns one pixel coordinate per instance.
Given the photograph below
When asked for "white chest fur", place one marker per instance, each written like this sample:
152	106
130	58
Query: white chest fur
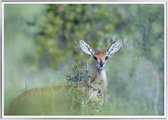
103	75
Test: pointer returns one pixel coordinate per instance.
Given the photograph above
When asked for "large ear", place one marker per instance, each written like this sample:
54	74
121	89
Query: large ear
113	48
86	48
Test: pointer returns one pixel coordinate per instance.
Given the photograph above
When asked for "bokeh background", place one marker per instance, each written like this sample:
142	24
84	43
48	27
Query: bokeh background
41	45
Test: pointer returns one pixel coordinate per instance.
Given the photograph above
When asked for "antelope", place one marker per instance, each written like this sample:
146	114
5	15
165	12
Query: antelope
54	100
99	84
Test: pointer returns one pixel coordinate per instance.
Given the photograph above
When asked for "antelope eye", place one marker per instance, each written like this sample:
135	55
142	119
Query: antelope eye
106	58
95	58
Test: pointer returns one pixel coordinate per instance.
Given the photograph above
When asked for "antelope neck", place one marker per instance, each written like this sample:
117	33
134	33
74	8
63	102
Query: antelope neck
101	75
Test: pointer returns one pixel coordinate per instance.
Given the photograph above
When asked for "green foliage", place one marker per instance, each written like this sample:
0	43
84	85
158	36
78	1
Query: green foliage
79	81
80	86
133	85
64	25
78	76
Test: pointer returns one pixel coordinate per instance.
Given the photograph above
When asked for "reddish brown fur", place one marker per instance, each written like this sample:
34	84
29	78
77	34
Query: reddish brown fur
101	55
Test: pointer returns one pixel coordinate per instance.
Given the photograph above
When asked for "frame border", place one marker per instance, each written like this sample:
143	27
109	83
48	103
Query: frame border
85	2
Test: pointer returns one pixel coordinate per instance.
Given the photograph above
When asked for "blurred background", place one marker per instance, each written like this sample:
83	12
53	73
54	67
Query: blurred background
41	45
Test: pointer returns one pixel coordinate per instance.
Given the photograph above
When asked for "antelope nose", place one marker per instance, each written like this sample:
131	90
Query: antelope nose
101	64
